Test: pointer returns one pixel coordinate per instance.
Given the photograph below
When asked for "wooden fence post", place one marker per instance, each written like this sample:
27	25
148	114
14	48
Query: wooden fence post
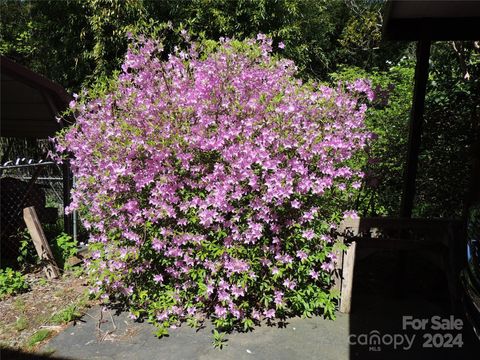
40	242
347	263
347	281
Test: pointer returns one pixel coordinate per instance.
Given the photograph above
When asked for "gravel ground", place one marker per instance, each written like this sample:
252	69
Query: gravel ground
23	315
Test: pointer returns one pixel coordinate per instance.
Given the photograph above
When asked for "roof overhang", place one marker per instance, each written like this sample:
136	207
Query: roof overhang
432	20
29	102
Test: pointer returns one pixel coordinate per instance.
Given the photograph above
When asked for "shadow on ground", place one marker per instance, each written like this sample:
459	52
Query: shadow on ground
388	291
11	354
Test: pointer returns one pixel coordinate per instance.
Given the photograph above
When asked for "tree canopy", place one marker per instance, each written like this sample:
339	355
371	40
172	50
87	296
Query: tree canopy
78	43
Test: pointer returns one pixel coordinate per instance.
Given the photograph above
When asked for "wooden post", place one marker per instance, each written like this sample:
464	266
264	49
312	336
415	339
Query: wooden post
347	275
347	227
415	128
40	242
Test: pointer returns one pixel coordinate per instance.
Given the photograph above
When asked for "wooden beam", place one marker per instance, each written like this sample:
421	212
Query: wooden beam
348	227
40	242
347	278
415	128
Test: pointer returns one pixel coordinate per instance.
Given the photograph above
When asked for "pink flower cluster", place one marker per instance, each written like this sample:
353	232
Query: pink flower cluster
194	171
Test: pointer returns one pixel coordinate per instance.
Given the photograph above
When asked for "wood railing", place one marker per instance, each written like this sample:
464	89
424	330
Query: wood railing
439	236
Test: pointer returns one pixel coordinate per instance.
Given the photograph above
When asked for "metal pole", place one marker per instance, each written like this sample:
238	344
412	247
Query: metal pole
67	185
74	217
415	128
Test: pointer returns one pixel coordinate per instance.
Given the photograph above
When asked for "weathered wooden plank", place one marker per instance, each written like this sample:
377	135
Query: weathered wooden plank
348	227
40	241
347	278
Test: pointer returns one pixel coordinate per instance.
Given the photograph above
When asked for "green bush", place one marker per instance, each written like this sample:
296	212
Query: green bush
387	118
11	282
232	216
63	247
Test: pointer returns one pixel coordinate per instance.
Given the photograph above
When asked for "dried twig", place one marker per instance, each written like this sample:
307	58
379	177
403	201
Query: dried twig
52	327
110	332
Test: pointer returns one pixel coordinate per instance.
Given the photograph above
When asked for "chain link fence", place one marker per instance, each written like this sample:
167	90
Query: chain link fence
24	183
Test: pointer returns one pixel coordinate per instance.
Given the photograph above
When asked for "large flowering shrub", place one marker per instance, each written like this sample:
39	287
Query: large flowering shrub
211	184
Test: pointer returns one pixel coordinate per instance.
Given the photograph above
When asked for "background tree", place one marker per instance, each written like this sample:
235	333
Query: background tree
81	42
452	126
85	39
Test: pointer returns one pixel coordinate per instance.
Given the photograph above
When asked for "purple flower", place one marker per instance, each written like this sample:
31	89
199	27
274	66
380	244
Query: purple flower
350	214
269	314
289	284
327	266
278	297
158	245
302	255
191	311
308	234
123	252
162	316
223	296
236	266
210	289
265	262
127	291
332	256
207	217
220	312
238	291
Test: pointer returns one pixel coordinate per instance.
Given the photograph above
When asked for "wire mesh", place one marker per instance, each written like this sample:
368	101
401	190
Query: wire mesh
23	184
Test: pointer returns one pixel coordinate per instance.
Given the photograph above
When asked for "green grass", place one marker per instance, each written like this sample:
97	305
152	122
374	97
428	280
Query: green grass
21	323
72	312
19	305
38	337
66	315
